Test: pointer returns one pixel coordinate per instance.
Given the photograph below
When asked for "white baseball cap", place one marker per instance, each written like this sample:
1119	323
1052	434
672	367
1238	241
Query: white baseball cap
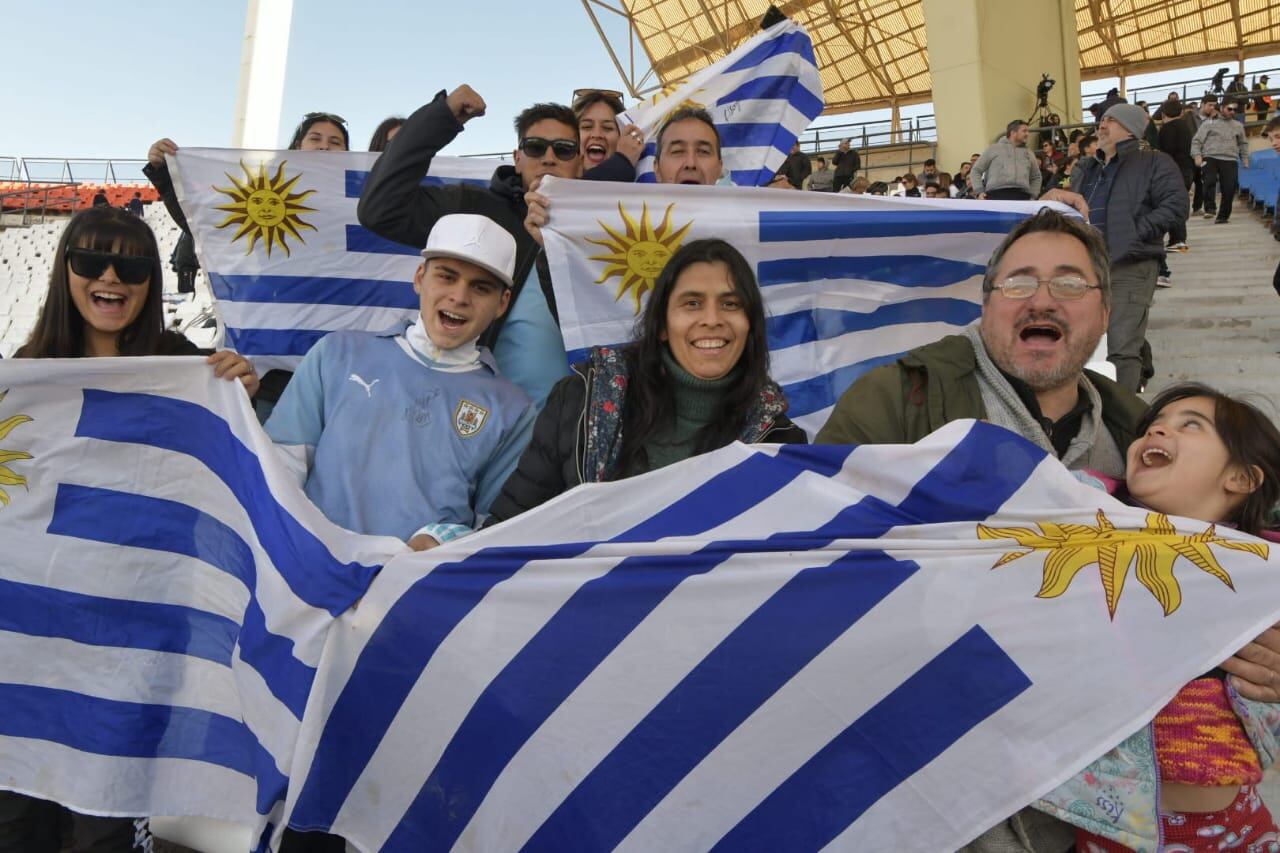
475	238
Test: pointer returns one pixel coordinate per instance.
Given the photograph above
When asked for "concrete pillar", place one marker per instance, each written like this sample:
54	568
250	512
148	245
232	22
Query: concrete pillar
262	66
986	57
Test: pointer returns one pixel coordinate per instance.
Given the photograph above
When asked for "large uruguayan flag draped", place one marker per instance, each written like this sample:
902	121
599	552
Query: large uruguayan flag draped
849	282
276	232
761	96
165	591
770	647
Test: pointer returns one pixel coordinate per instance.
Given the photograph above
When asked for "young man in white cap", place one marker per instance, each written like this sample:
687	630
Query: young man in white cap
411	432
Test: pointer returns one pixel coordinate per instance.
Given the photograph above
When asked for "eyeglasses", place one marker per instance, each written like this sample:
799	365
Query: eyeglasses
329	117
130	269
536	146
580	94
1228	109
1065	287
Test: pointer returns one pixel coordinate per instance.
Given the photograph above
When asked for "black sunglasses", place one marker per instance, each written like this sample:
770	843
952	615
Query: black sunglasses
536	146
130	269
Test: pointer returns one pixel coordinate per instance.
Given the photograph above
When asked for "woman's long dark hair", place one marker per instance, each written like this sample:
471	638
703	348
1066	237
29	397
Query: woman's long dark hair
650	402
1251	439
381	135
59	333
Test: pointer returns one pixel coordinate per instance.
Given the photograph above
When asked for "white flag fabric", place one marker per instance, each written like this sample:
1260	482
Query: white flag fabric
849	282
276	231
165	593
761	97
780	647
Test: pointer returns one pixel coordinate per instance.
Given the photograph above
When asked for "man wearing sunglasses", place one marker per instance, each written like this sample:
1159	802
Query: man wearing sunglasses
526	342
1219	147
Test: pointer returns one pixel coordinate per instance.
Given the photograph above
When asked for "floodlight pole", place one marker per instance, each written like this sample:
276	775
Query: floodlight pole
262	67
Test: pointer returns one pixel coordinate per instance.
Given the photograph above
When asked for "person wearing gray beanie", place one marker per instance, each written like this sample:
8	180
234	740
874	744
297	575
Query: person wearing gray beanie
1131	117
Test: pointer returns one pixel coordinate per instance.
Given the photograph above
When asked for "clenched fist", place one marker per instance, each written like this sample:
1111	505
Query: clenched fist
465	103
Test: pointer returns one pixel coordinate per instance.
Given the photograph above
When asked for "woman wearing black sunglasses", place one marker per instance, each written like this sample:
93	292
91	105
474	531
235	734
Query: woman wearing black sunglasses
105	298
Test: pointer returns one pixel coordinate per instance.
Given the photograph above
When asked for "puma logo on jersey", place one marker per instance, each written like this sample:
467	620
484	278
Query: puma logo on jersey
367	386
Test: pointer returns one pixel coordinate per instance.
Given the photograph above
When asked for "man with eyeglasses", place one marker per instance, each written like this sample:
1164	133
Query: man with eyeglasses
1219	147
1046	302
526	342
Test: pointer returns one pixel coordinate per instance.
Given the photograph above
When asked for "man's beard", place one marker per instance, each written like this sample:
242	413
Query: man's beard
1048	377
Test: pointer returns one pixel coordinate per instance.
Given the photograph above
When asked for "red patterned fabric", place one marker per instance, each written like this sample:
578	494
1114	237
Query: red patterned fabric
1245	826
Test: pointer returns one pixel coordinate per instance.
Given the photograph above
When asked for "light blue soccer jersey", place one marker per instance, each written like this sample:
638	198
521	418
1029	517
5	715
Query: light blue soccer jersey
397	442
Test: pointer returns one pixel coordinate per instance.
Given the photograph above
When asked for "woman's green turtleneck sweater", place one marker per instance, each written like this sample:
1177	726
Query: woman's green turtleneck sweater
697	403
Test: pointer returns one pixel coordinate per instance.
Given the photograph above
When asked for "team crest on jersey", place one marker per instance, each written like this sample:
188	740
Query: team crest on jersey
469	418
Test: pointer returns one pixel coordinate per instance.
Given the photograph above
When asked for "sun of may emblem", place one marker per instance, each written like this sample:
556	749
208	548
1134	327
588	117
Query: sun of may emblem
265	208
9	477
638	256
1155	548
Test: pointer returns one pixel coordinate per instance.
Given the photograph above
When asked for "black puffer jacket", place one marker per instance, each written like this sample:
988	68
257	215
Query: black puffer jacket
1147	198
576	437
395	205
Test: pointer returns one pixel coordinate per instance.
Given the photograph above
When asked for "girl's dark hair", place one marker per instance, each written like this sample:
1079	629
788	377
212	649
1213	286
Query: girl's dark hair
650	402
1251	440
59	333
315	118
383	131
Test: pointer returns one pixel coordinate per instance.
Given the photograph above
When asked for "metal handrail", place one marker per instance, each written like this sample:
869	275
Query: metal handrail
28	193
1132	94
114	170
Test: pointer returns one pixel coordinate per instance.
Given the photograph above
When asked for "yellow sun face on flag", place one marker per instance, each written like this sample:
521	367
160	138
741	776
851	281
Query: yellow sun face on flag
638	256
9	477
1154	549
265	208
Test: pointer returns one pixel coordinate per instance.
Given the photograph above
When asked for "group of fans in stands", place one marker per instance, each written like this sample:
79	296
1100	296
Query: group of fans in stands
479	417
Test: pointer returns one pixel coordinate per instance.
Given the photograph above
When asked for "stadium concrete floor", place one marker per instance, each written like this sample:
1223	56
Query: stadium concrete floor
1219	324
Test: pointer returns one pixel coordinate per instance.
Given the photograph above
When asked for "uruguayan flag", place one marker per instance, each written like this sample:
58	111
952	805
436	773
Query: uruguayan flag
767	648
849	282
277	233
165	591
761	96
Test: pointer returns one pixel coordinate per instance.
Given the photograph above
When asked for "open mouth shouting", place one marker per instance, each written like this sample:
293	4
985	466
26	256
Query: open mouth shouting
596	152
1041	334
451	321
108	302
1154	456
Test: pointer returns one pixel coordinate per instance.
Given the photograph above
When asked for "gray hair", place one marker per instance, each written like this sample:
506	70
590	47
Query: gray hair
1050	221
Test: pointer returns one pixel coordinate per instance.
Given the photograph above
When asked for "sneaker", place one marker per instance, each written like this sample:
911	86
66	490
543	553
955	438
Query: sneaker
1220	221
1208	215
1164	281
1179	247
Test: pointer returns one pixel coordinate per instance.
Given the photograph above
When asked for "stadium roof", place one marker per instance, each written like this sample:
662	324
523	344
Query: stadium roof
873	53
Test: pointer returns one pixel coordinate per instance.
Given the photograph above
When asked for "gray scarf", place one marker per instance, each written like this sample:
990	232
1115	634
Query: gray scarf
1093	446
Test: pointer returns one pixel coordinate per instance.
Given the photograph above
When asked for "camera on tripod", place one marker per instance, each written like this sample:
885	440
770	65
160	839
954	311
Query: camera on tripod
1042	90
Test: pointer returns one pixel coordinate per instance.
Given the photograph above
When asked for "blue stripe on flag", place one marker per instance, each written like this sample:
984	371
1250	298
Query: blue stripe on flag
819	324
785	226
941	702
251	342
755	135
312	573
374	693
126	729
751	177
783	88
42	611
796	41
819	392
361	239
357	722
782	636
313	290
904	271
356	179
119	518
765	651
139	521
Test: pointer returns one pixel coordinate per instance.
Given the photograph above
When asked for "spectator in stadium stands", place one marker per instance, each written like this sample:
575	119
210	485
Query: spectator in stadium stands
846	163
946	186
1208	109
104	299
796	167
1087	146
526	340
450	427
1261	103
910	186
1175	140
688	148
929	174
823	178
1022	366
695	378
1049	153
1150	134
931	191
1219	148
602	137
1237	95
859	186
1134	198
878	188
1272	132
100	198
961	177
321	132
1164	108
385	132
135	204
1007	171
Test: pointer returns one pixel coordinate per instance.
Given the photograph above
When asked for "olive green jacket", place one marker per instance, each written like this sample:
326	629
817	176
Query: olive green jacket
935	384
